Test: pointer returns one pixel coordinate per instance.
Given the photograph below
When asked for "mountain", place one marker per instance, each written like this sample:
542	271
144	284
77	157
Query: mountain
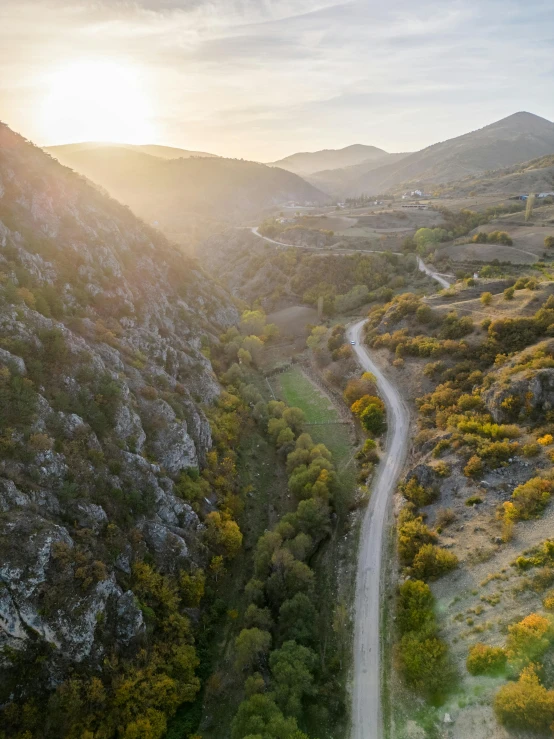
305	163
105	392
337	182
189	198
535	176
518	138
164	152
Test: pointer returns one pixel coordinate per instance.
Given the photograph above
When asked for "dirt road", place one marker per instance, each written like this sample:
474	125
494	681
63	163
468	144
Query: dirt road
366	719
366	691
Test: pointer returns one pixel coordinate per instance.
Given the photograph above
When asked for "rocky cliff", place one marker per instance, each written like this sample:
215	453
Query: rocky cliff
103	380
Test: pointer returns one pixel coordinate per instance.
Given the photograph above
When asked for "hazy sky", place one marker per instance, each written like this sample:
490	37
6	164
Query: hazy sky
261	79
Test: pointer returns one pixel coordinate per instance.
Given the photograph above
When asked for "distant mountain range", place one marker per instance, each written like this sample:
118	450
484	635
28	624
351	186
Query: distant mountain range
306	163
186	197
512	140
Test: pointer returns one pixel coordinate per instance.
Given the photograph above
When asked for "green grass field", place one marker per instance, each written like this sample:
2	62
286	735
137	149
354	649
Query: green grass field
296	389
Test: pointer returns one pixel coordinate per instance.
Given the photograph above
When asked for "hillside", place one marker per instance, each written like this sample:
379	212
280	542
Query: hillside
535	176
517	138
105	393
337	182
189	198
156	150
308	162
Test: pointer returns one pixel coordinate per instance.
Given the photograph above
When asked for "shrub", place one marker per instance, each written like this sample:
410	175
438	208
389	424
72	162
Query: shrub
549	242
148	392
530	450
474	467
416	493
486	298
548	601
545	440
412	535
445	516
414	611
431	562
423	663
509	293
485	660
526	704
532	497
442	469
474	500
529	639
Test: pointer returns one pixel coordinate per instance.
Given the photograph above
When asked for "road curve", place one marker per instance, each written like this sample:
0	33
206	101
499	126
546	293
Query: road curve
366	690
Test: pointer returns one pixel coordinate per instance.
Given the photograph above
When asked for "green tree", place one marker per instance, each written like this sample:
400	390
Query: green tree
251	646
292	670
260	718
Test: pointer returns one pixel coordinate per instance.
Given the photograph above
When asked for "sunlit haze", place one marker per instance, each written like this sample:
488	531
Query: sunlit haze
96	100
261	79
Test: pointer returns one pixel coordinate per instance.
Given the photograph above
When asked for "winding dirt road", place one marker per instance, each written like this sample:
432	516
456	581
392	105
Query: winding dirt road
366	717
366	690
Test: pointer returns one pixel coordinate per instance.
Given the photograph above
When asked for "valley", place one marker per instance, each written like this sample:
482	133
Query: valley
289	477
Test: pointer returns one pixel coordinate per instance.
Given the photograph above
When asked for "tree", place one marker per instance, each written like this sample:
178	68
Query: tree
414	611
223	534
253	345
298	618
486	298
357	388
251	646
252	323
292	670
260	718
295	418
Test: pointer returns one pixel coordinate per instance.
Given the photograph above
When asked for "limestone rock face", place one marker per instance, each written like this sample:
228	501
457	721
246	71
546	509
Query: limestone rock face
103	376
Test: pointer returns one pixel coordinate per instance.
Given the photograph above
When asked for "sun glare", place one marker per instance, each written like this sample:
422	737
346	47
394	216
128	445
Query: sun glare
96	100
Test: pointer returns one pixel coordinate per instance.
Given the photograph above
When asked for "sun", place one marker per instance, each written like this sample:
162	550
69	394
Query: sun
96	100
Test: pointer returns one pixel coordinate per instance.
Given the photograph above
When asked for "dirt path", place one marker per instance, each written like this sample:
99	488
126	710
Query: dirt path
366	719
366	693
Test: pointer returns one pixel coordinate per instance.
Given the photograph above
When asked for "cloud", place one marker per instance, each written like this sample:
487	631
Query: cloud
262	78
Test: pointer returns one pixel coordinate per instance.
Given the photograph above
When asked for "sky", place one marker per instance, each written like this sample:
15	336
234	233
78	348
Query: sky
261	79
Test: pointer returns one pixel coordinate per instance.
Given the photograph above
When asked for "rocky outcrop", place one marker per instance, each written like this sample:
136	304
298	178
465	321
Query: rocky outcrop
529	393
103	375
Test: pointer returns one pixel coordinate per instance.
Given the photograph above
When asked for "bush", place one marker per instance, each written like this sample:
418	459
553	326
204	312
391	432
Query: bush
526	704
529	639
486	298
549	242
431	562
414	611
416	493
423	663
474	467
485	660
474	500
413	534
509	293
531	498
